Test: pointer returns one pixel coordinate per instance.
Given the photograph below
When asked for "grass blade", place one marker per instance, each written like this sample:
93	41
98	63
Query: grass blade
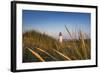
66	57
36	54
46	53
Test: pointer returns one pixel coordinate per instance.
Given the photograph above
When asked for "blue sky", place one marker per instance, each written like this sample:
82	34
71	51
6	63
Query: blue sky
52	22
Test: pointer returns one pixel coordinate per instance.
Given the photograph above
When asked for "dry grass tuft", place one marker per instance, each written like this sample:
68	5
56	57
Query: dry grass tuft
46	48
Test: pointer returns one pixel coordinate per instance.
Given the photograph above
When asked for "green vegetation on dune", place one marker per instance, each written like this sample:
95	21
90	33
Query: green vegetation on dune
51	50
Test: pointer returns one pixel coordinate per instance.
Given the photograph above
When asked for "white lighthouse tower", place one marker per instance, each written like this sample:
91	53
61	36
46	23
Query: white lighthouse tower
60	37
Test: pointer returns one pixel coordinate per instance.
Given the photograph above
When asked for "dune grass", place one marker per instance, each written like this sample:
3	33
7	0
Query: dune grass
47	48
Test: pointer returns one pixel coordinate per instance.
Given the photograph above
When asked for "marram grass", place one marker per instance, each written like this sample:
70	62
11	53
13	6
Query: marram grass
39	47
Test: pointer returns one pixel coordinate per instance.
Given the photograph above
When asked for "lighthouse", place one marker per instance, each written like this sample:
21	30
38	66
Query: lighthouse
60	37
